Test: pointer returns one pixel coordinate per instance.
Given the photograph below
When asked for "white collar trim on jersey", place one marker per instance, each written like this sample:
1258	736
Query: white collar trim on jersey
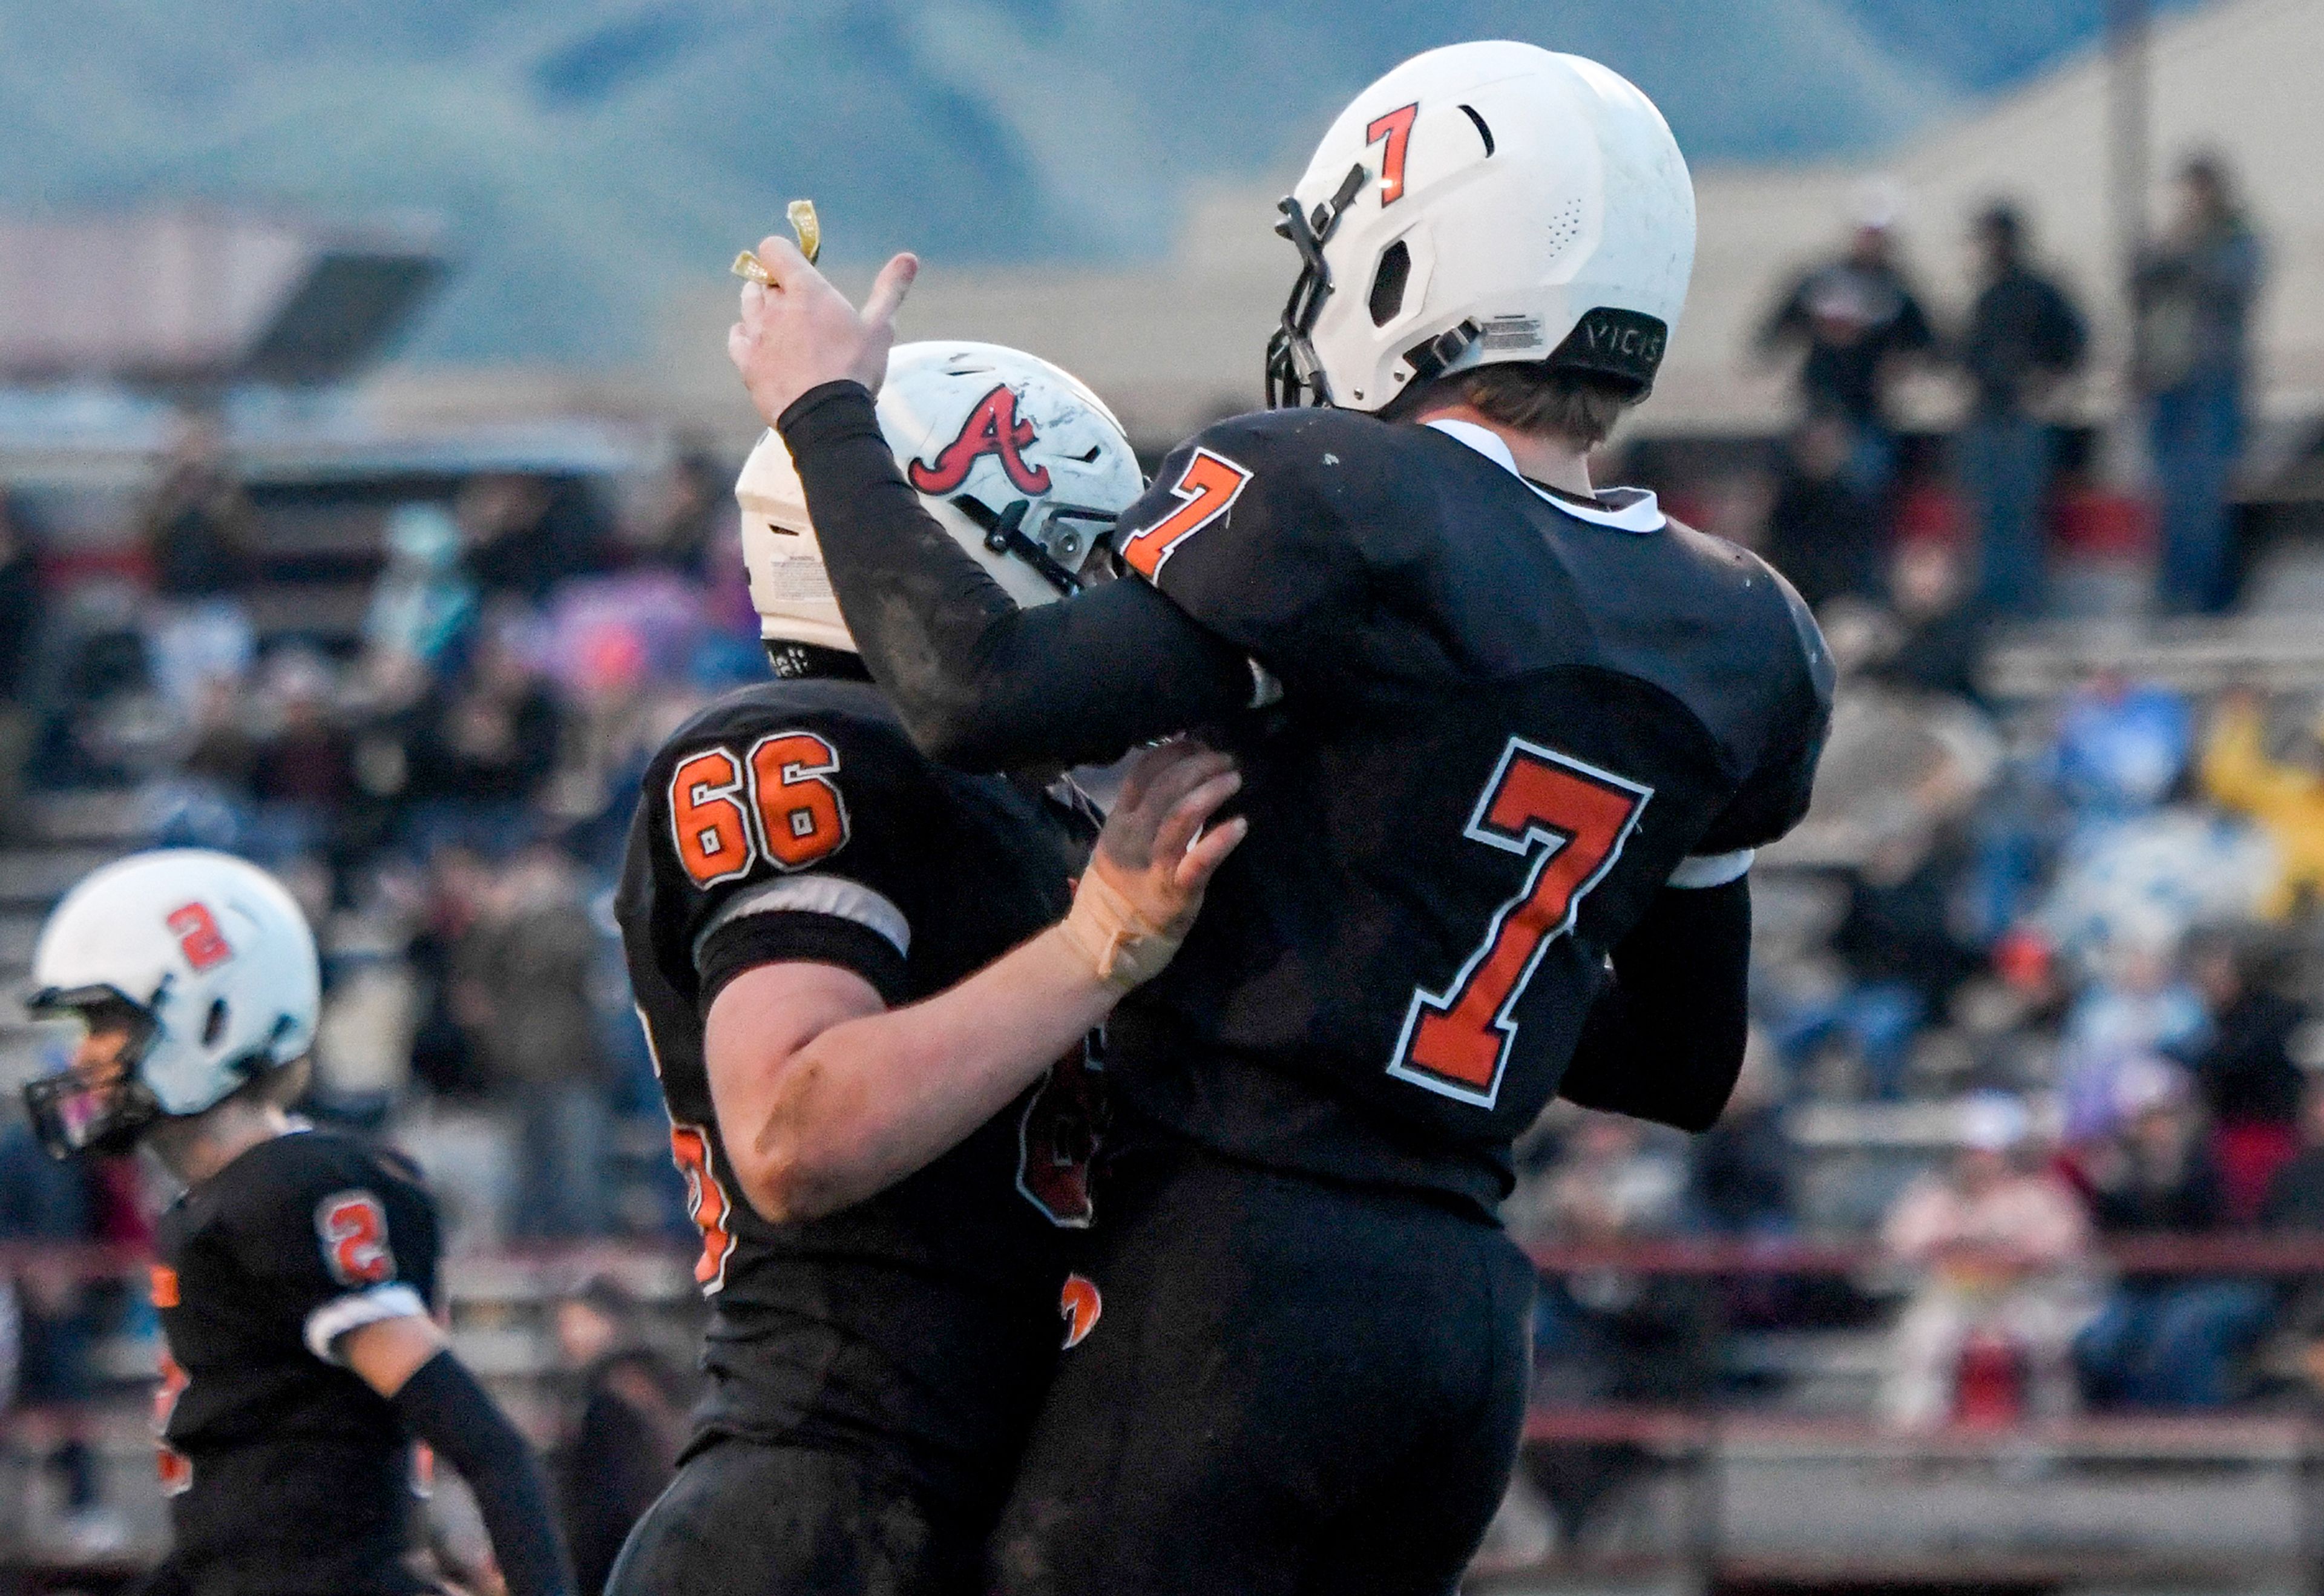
1631	510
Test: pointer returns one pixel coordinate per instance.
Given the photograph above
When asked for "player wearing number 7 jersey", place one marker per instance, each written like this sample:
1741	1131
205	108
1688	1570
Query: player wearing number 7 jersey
869	1005
1512	743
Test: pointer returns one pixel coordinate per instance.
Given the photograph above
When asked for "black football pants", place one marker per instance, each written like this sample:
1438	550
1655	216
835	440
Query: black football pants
744	1519
1292	1389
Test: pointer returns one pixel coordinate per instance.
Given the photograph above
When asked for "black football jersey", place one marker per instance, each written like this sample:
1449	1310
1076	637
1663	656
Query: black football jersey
1506	718
286	1471
795	821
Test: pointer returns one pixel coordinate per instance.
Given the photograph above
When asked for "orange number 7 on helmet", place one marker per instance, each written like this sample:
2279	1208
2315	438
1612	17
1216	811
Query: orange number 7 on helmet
1395	127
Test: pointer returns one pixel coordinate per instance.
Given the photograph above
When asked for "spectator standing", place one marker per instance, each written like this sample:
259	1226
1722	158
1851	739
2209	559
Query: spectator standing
1854	318
2243	1069
196	528
2193	293
2162	1340
524	973
2024	334
1999	1251
620	1445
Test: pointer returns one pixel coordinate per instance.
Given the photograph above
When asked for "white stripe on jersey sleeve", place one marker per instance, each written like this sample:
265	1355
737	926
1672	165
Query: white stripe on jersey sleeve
833	895
1712	870
356	1309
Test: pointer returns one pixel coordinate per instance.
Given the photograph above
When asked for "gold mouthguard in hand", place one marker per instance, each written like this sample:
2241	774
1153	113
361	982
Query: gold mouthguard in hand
800	213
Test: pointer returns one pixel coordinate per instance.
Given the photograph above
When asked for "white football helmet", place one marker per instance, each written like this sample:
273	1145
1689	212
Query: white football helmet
1484	202
1020	463
209	962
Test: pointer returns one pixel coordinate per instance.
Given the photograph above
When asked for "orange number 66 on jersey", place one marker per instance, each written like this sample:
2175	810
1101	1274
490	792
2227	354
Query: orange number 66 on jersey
779	802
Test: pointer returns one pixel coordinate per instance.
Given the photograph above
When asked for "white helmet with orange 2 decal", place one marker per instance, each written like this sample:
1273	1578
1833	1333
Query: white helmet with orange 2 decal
1017	459
1484	202
204	958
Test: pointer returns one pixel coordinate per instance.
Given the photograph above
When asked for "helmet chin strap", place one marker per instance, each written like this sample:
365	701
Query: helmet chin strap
1005	534
1291	363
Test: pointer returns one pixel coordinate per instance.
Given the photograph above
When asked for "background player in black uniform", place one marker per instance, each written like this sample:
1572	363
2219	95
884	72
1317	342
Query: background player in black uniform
1527	735
297	1271
870	1025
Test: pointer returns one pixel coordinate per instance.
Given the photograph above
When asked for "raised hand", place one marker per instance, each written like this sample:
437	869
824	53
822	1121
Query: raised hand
799	332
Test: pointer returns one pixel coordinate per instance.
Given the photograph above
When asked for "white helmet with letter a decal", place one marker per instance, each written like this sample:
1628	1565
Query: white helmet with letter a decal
1017	459
1484	202
202	958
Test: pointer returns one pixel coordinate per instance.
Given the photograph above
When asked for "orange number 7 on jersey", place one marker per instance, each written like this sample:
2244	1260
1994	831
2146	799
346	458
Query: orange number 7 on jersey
1575	818
1206	489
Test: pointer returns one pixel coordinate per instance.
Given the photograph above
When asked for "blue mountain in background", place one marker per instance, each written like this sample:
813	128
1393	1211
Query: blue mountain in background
589	155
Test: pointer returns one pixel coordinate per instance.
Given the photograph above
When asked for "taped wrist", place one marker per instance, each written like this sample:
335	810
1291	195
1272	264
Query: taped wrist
1123	947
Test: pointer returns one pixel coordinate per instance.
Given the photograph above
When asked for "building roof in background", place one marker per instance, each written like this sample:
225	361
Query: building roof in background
189	299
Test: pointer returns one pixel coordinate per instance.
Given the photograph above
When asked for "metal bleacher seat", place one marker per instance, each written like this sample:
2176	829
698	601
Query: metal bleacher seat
2276	652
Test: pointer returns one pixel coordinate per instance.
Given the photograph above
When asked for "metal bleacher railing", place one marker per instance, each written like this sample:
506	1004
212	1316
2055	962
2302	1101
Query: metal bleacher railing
1743	1497
1756	1498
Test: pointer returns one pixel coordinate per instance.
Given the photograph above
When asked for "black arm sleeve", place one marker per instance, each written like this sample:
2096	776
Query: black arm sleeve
981	684
446	1407
1665	1039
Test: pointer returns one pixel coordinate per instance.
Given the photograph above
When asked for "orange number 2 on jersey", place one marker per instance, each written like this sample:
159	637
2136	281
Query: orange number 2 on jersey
1395	127
707	1203
354	1230
1206	489
1574	818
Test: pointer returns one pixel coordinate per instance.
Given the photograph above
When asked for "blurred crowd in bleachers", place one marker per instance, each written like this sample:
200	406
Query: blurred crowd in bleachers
2035	973
2041	977
448	792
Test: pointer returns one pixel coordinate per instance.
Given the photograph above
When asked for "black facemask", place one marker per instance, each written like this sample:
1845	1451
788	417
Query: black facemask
74	1112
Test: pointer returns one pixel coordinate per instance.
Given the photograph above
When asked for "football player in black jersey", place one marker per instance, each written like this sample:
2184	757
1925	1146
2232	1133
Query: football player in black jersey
297	1273
870	1025
1509	743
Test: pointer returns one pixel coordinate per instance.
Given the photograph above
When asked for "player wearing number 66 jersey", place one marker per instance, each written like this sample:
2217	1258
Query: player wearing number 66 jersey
869	1005
1512	743
297	1273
